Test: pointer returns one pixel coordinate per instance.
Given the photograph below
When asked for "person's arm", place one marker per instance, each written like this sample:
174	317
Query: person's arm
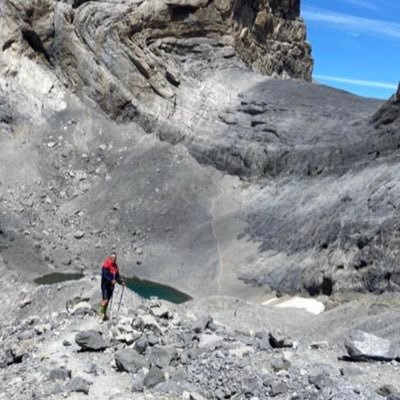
119	279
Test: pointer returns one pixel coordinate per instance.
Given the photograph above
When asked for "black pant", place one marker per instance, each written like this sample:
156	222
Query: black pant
107	290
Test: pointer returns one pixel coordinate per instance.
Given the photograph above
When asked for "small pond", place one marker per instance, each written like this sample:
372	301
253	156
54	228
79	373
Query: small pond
148	289
143	288
57	277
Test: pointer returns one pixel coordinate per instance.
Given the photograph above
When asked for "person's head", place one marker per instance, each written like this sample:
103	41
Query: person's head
113	256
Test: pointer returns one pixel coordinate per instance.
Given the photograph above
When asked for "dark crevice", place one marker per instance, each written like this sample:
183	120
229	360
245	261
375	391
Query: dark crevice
78	3
34	41
361	264
181	13
327	286
7	44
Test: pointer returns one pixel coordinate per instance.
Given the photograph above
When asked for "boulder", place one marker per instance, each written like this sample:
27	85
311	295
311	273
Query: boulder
162	356
141	344
129	360
364	346
154	377
78	385
209	341
83	307
149	322
160	311
278	341
201	324
138	382
241	352
321	380
90	340
60	374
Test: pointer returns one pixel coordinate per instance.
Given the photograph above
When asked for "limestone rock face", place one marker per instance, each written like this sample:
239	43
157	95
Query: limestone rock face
117	54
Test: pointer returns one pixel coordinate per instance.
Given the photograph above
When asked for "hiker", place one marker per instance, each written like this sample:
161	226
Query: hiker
109	276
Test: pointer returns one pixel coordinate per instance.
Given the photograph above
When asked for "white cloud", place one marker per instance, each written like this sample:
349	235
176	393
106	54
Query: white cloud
353	23
364	4
357	82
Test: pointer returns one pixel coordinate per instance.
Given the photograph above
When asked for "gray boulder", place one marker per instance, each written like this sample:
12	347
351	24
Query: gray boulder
129	360
90	340
209	341
278	388
154	377
201	324
79	385
364	346
60	374
138	382
278	341
321	380
162	356
141	344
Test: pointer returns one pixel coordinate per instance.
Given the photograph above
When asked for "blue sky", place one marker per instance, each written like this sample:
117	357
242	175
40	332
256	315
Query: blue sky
356	44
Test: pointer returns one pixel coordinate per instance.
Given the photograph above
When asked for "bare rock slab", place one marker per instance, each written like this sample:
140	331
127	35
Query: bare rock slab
364	346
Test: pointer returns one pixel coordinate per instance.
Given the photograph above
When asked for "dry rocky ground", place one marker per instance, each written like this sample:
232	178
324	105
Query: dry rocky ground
161	129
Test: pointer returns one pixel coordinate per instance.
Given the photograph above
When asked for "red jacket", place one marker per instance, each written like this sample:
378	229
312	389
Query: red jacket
110	271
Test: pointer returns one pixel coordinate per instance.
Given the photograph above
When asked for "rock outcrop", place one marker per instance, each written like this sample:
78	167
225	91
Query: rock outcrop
120	56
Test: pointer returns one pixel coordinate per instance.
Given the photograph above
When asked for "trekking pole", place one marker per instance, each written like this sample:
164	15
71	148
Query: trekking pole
120	299
110	305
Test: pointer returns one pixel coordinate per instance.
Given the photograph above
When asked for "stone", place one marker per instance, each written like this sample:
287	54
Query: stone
82	307
150	323
137	384
277	341
160	312
91	368
278	388
79	385
152	339
201	324
154	377
241	352
60	374
130	360
141	344
364	346
42	328
79	234
90	340
209	341
20	351
192	396
388	390
321	380
279	364
320	345
26	335
162	356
